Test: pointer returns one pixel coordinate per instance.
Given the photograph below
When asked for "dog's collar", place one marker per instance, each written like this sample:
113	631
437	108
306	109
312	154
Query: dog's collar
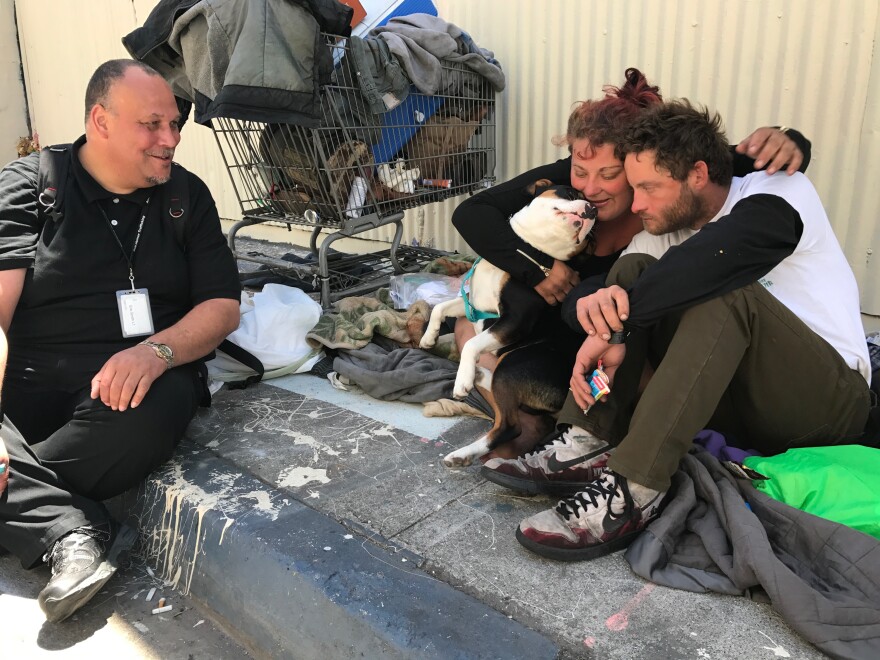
472	313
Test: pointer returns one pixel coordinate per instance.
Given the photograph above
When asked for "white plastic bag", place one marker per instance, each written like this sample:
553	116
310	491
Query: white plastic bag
273	328
433	288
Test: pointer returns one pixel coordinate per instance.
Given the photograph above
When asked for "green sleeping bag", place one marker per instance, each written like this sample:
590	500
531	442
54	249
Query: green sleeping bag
839	483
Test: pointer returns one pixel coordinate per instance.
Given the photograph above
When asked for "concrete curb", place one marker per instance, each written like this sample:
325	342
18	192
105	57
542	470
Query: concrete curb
293	582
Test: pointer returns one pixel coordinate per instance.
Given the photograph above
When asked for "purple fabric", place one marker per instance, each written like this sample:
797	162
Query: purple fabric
716	445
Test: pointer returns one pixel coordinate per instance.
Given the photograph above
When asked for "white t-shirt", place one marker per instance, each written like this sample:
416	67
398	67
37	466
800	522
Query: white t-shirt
815	282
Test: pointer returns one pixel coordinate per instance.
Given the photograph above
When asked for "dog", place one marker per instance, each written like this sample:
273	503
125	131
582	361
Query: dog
557	222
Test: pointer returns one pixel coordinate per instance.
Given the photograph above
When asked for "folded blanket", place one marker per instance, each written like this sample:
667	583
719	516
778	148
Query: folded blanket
452	408
823	578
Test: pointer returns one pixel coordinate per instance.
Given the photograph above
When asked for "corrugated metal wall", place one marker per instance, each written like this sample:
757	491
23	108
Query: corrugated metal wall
807	64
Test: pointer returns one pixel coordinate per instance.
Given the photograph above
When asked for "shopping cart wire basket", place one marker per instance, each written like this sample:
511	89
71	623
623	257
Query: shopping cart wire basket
361	169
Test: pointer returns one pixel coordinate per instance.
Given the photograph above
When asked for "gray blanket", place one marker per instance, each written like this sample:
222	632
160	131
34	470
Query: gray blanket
420	41
401	374
385	370
823	578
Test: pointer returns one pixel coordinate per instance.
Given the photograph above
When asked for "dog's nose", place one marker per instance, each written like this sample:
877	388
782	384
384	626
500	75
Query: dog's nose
590	212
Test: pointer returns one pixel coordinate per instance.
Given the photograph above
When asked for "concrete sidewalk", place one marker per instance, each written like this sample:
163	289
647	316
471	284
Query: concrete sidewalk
319	523
117	623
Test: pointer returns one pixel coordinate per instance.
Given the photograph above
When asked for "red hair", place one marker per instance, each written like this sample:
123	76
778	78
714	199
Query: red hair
604	121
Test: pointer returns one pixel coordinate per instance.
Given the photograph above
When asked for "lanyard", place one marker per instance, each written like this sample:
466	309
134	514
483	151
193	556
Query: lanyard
129	259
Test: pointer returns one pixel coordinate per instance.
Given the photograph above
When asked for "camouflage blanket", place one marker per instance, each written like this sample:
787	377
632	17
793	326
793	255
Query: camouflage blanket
356	320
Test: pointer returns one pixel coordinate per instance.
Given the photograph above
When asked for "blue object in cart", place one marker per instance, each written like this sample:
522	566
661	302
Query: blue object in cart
408	7
401	123
409	116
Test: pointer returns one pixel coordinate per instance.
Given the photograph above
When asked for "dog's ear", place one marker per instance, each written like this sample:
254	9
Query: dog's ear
539	186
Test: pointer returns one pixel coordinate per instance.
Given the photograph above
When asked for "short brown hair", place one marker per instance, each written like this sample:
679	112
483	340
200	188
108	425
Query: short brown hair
680	134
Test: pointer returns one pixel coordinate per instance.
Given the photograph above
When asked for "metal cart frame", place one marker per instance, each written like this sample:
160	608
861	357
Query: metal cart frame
360	170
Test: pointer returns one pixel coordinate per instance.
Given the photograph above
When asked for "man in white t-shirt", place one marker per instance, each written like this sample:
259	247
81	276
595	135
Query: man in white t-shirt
738	296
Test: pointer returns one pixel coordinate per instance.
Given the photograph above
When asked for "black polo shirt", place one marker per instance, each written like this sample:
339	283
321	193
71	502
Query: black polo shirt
66	324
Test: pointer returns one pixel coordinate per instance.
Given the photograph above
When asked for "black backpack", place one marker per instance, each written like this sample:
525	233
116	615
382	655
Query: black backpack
52	183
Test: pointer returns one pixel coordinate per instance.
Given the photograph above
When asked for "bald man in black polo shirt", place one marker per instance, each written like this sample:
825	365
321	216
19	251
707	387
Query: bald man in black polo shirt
106	315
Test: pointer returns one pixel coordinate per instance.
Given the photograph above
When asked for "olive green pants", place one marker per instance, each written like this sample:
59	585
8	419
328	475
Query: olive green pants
741	364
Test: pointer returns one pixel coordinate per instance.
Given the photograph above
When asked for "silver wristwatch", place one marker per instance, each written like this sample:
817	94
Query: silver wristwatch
164	351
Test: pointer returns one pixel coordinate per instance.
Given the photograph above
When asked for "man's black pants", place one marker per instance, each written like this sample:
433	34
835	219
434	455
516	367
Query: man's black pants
67	452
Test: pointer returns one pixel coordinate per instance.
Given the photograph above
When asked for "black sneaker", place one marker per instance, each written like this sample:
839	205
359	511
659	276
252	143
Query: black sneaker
81	562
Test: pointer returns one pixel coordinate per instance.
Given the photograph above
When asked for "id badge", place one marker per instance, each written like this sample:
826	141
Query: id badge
134	312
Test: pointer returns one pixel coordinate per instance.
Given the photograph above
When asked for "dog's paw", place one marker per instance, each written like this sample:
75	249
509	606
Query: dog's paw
457	460
428	340
464	456
462	388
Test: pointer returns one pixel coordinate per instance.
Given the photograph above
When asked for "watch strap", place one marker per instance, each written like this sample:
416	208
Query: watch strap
162	351
618	337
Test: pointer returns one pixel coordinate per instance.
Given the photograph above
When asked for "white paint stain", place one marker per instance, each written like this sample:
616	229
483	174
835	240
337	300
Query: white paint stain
297	477
309	441
177	541
778	651
703	653
263	503
357	442
386	430
228	524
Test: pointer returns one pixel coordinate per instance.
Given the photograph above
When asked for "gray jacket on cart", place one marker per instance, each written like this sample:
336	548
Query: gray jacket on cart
259	60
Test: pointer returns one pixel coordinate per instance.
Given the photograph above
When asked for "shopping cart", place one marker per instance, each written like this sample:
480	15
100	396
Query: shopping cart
360	170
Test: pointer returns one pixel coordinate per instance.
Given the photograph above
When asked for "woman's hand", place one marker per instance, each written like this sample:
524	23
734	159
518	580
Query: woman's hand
773	146
558	283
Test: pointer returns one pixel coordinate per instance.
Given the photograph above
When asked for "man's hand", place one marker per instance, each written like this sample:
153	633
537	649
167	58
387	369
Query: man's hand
771	145
4	465
558	283
603	312
127	376
587	358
